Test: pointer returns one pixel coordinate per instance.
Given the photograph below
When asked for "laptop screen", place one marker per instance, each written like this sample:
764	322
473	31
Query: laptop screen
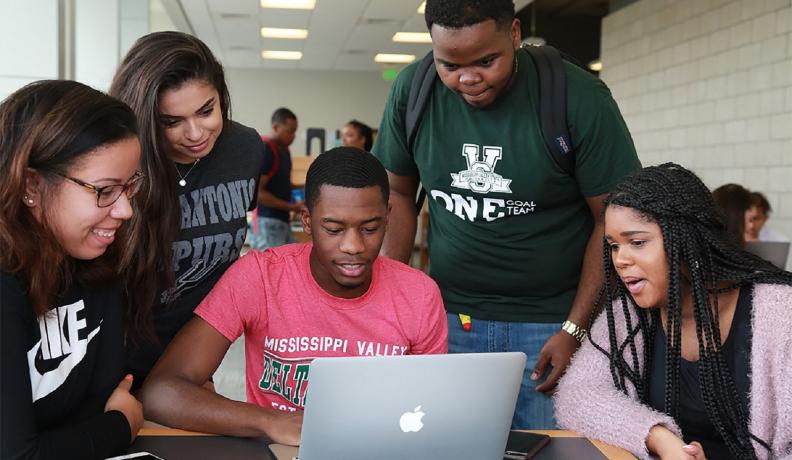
775	252
418	407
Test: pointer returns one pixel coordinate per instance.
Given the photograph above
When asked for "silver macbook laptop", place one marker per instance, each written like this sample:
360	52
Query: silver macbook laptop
425	407
775	252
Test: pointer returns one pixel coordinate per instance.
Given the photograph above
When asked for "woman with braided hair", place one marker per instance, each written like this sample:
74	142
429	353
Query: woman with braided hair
691	357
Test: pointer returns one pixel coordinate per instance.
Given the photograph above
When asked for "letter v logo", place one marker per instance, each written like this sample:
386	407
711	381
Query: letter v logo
480	177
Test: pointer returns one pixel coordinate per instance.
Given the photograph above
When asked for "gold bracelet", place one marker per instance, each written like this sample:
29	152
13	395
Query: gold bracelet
574	330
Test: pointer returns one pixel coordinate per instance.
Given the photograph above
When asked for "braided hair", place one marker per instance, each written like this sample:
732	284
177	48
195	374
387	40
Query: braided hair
694	233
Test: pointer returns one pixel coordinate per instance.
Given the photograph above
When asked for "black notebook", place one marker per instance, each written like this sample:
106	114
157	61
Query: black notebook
524	446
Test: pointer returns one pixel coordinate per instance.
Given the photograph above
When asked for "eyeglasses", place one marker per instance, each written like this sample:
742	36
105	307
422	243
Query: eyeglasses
109	194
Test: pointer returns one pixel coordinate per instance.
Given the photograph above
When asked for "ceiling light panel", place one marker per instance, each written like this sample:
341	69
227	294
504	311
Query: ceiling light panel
282	55
275	32
394	58
289	4
412	37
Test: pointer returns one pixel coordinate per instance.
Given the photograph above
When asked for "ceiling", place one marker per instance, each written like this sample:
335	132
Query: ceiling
342	34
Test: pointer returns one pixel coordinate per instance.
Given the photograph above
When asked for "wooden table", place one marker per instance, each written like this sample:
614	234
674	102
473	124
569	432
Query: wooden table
611	452
300	164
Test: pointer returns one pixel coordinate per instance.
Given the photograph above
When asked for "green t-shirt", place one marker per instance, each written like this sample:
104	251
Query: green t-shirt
508	227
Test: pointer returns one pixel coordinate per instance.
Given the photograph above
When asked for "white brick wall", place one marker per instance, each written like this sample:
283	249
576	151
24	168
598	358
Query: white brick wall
708	84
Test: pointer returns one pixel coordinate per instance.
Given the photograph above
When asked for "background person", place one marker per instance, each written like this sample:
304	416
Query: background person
756	228
703	372
275	188
357	134
734	201
513	240
203	171
69	158
332	297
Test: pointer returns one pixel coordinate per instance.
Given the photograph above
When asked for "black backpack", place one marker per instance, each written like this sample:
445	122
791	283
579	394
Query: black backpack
552	106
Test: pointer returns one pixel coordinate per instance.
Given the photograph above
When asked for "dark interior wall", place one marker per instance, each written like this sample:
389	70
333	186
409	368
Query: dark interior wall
577	36
573	26
616	5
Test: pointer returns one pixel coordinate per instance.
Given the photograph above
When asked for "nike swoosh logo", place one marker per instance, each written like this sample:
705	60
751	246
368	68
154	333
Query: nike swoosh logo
43	385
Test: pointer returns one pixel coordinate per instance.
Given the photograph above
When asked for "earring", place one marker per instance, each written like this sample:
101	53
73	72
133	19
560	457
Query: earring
28	199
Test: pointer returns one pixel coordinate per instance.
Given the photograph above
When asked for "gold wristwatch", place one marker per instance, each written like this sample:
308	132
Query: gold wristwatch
574	330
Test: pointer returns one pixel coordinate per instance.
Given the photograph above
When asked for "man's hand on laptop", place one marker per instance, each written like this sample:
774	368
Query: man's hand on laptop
284	427
556	352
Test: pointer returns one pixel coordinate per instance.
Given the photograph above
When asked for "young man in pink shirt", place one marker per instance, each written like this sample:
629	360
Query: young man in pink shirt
332	297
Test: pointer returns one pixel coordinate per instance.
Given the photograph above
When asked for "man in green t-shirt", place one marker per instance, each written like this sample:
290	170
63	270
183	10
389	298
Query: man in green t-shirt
514	241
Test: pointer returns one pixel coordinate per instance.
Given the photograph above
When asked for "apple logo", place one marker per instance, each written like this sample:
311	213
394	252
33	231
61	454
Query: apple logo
411	421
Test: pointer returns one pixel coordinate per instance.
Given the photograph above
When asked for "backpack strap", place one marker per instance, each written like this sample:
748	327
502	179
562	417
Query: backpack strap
275	155
552	105
420	92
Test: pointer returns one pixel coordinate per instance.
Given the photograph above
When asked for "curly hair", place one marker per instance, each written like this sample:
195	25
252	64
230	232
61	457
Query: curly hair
455	14
694	235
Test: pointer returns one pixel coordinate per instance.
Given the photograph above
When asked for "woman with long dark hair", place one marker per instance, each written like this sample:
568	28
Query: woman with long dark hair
734	201
357	134
69	158
203	172
691	357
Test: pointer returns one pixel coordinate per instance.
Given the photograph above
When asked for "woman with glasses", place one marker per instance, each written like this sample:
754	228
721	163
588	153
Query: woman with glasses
69	158
202	173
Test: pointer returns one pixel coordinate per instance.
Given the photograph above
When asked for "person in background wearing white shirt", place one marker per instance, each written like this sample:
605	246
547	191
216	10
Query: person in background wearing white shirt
756	218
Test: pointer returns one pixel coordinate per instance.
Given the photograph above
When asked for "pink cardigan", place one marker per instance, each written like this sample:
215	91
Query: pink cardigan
587	401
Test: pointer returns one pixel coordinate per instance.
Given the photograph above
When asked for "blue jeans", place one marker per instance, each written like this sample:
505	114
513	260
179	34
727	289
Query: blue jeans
271	233
534	410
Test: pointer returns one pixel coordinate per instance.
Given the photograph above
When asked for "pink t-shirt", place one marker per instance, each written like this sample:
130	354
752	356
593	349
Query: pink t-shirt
287	319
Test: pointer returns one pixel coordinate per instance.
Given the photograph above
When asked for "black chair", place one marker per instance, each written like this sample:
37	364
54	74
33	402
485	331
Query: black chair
311	134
